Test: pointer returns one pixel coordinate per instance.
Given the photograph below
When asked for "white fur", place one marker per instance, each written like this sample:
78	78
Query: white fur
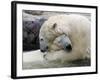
76	27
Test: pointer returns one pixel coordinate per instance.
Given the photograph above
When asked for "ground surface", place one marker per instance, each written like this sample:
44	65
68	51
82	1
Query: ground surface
33	60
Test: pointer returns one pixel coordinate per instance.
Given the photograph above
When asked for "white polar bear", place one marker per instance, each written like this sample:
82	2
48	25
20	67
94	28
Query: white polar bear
65	37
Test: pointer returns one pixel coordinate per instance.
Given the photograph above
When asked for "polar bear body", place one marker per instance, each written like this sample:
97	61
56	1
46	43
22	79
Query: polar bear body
76	27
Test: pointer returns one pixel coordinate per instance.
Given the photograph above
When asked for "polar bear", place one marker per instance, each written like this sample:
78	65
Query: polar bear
65	37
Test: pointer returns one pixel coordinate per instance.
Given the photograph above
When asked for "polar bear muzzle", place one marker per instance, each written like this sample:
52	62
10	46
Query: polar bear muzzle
43	45
64	42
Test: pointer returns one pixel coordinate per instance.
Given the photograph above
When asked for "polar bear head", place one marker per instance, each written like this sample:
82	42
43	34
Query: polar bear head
52	37
62	42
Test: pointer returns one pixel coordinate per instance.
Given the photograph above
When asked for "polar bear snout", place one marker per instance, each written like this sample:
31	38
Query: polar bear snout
64	42
44	49
43	44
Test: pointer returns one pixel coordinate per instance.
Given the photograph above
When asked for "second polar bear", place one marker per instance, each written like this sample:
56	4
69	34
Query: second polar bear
65	37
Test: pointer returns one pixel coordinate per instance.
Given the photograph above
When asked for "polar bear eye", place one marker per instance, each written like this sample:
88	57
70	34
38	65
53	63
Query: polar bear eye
41	39
54	26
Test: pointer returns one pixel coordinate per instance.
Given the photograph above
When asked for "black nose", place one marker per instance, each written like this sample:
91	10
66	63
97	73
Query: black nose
68	47
42	50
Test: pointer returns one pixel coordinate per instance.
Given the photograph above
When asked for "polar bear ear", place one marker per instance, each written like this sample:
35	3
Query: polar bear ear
54	25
